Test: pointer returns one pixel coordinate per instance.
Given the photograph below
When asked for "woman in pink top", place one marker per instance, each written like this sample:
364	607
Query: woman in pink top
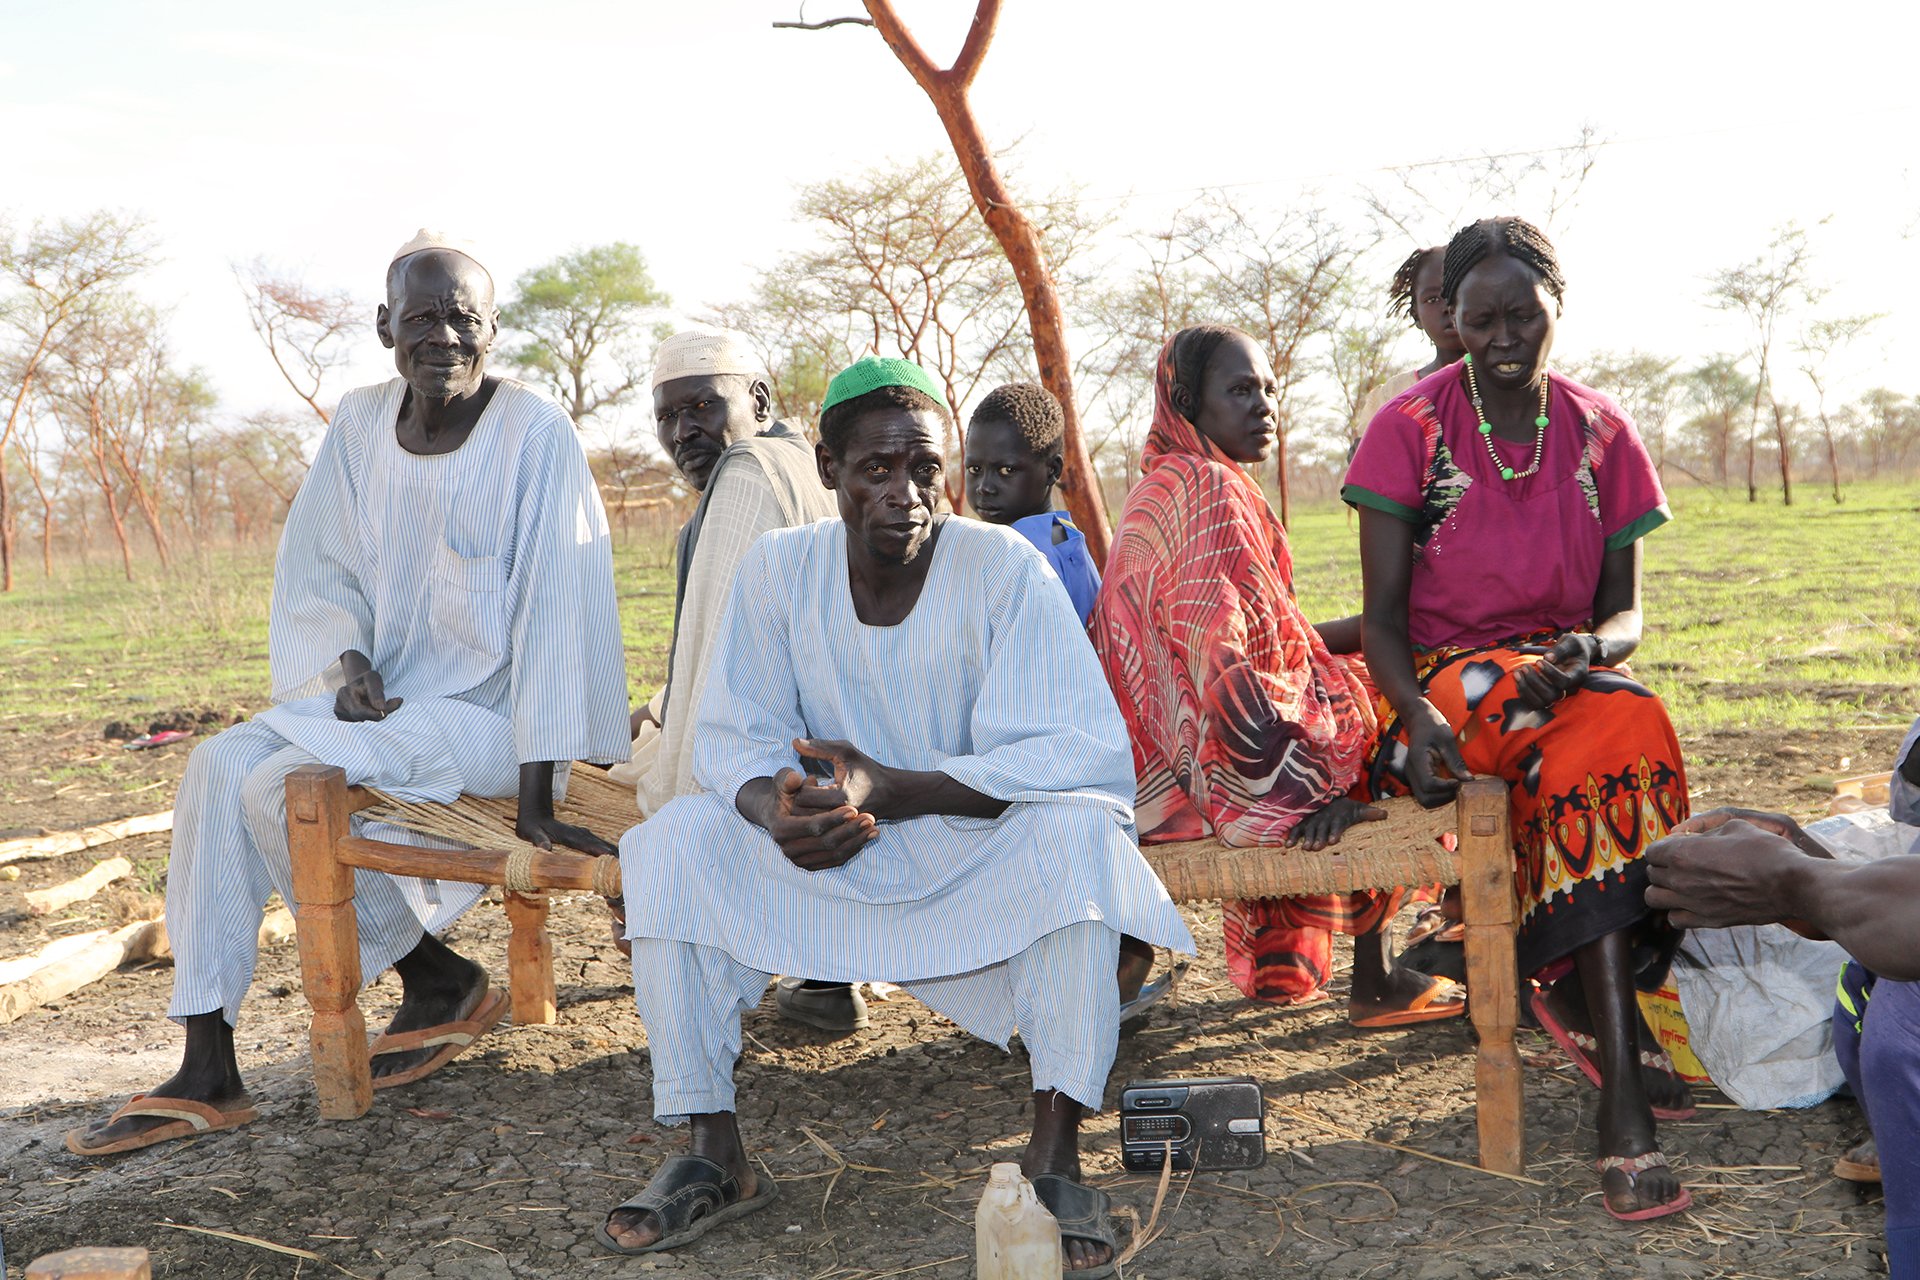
1501	512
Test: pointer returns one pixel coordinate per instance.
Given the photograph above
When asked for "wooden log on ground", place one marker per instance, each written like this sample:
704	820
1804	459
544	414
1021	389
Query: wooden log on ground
92	1264
142	940
45	901
67	964
55	843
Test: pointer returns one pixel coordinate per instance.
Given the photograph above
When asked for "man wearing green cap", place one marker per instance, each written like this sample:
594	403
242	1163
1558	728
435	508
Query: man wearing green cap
913	770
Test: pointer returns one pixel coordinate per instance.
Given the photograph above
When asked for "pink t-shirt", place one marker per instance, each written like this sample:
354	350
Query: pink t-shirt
1494	559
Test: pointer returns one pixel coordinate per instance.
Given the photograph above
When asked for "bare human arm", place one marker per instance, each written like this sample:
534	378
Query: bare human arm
1738	871
535	823
1341	635
1386	572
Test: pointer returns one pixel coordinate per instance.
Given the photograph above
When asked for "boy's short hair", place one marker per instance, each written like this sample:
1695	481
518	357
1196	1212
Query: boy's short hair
1029	407
836	423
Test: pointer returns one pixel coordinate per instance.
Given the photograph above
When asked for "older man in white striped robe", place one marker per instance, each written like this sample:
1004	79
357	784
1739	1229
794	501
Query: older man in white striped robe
976	840
443	621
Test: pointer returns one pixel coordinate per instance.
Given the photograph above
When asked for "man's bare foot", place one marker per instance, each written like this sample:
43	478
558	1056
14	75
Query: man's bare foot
1860	1164
1664	1090
208	1073
436	987
1055	1148
716	1137
1386	995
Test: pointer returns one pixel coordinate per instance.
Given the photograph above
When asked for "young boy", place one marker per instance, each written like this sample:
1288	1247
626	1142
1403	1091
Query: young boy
1013	459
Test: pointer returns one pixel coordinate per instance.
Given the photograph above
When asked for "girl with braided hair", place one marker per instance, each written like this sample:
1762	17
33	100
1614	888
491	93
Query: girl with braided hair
1501	512
1415	294
1245	724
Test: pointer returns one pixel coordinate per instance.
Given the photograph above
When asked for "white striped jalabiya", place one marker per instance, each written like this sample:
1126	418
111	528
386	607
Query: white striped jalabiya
480	584
990	680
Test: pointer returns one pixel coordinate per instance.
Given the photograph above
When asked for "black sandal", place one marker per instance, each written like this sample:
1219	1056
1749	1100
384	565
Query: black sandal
1083	1214
689	1195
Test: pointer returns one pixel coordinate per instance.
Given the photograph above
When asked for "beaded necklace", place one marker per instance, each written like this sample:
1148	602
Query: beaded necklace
1486	428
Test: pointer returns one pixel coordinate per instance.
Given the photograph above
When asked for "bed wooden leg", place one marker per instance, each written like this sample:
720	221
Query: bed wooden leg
530	959
1491	916
329	937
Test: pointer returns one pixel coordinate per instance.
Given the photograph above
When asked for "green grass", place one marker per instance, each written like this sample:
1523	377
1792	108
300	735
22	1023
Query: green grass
1757	616
90	647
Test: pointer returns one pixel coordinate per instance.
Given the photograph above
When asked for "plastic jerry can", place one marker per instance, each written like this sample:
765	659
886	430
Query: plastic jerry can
1014	1236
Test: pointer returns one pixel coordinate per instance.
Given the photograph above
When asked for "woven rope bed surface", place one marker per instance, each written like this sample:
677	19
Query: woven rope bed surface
1403	850
593	801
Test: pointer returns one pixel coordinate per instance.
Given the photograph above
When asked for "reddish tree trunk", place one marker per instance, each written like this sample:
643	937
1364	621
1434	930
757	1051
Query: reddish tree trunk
1019	240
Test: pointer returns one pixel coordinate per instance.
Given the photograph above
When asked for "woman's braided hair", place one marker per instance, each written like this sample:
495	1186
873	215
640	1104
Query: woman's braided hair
1516	238
1400	299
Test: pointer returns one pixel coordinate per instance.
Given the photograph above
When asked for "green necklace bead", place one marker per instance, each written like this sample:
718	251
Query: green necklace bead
1466	359
1540	421
1486	428
1506	473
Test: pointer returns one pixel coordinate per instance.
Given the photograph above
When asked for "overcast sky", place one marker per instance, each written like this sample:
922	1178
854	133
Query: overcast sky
321	136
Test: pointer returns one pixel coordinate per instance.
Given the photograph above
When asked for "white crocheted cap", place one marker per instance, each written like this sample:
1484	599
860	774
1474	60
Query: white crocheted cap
426	238
703	351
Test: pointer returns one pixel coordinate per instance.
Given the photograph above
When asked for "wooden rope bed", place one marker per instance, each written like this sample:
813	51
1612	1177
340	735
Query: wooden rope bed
1406	849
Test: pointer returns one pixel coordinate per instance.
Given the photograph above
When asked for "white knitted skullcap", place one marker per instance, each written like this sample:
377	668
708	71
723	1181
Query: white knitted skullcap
702	351
426	238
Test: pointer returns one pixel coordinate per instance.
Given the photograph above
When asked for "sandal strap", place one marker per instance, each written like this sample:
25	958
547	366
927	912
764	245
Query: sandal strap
1632	1166
198	1114
1083	1212
682	1190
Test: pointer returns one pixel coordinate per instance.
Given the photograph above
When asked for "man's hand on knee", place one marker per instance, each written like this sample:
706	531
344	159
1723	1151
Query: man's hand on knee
364	696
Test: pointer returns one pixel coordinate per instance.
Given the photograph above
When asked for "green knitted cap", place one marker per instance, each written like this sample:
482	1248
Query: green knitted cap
875	372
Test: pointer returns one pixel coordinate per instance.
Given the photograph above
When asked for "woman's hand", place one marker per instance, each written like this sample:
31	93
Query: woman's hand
811	821
1324	826
858	779
1560	671
1435	767
364	696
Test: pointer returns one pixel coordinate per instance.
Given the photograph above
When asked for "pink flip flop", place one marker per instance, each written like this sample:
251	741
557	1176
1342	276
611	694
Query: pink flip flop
1581	1047
1633	1167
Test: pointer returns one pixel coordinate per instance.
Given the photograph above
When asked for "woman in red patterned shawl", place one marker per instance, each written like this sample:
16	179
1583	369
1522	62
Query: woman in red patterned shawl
1244	725
1501	515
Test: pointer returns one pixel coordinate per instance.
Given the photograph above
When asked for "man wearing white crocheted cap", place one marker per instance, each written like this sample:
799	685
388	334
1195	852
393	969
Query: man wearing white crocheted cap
713	412
443	621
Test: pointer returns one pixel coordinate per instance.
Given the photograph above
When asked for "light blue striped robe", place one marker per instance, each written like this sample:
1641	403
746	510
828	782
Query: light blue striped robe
990	680
480	583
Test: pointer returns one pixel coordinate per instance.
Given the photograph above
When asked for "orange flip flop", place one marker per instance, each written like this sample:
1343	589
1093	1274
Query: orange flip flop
190	1120
1443	998
450	1039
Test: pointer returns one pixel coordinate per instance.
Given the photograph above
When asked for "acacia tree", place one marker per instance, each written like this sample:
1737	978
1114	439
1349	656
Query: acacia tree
1362	338
1019	238
584	321
60	270
1646	386
305	330
904	265
1765	290
1277	277
1717	391
1819	342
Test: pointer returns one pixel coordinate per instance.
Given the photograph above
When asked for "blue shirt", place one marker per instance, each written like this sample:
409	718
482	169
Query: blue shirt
1068	557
